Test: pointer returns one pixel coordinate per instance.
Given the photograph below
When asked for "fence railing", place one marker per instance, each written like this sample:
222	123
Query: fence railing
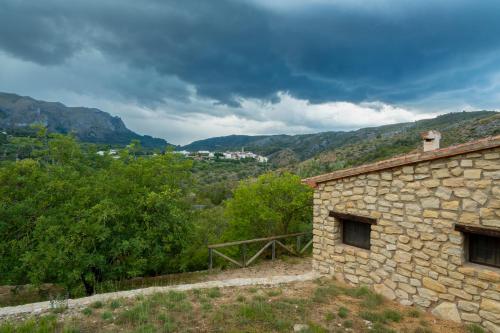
269	242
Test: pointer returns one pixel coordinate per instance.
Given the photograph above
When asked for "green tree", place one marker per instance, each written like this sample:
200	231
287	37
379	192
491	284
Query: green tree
72	217
273	204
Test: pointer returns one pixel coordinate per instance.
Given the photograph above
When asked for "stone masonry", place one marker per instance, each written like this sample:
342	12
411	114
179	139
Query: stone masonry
416	256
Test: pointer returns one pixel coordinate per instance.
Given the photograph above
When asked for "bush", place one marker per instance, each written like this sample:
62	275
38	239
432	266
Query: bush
343	312
274	204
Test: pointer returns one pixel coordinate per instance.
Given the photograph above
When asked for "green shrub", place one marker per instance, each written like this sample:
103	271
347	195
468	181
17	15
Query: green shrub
343	312
106	315
392	315
114	304
87	311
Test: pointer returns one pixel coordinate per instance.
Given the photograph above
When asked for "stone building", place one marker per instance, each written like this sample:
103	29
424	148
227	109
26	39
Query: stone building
422	229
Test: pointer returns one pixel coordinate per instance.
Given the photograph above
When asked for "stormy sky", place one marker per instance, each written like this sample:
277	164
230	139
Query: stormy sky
185	70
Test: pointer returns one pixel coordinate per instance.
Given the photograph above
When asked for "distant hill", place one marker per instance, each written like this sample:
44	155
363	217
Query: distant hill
360	146
19	113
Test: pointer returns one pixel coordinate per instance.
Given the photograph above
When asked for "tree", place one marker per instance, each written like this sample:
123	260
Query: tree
72	217
274	204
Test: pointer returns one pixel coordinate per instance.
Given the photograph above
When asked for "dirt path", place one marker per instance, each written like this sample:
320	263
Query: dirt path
268	268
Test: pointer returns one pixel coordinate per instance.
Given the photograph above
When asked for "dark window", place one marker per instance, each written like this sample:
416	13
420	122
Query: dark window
484	249
356	233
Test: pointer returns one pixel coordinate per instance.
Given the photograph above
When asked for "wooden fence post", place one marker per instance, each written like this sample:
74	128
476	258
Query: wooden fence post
298	243
244	255
273	250
210	260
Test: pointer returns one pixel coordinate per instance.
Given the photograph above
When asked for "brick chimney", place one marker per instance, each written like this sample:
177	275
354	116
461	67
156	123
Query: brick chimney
431	140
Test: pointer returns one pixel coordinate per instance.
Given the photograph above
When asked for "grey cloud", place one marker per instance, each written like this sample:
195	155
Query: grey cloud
395	51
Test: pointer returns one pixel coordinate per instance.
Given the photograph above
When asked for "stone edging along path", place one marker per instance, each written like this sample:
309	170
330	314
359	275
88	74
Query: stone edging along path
35	308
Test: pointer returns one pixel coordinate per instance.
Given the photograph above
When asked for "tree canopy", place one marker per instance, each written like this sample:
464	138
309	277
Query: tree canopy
74	217
273	204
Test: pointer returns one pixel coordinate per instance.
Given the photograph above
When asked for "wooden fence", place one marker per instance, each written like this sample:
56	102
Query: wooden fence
269	242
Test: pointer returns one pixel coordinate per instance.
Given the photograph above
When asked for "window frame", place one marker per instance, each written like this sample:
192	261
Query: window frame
469	231
344	218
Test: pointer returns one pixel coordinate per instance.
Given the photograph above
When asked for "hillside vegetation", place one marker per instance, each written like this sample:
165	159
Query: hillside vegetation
388	141
367	144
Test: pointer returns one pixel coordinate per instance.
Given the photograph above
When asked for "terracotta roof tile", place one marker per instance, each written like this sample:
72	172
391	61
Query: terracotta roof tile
481	144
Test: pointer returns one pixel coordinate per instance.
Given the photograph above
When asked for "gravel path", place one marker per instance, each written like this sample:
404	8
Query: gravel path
269	273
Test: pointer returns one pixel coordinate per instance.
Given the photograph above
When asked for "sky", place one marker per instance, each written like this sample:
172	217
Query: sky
192	69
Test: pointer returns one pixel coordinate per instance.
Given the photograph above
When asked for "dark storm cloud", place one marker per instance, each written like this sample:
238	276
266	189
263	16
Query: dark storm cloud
395	51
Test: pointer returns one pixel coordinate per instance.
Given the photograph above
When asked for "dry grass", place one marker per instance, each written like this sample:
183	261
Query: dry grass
324	305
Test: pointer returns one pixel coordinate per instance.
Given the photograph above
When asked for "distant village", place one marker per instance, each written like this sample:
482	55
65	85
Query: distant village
228	155
203	155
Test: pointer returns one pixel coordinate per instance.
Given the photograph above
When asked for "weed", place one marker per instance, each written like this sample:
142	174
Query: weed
168	323
473	328
58	309
347	323
259	298
182	306
44	324
253	290
343	312
380	328
71	330
206	306
137	314
392	315
96	305
384	317
323	293
314	328
107	315
330	316
372	300
241	298
114	304
169	327
357	292
275	292
414	313
423	323
373	317
87	311
147	328
214	293
261	312
176	296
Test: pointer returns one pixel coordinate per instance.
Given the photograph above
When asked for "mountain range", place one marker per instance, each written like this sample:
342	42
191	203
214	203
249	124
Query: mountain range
327	149
19	113
363	145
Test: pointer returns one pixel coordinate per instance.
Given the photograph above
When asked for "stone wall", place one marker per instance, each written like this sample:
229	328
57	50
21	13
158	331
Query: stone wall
416	256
